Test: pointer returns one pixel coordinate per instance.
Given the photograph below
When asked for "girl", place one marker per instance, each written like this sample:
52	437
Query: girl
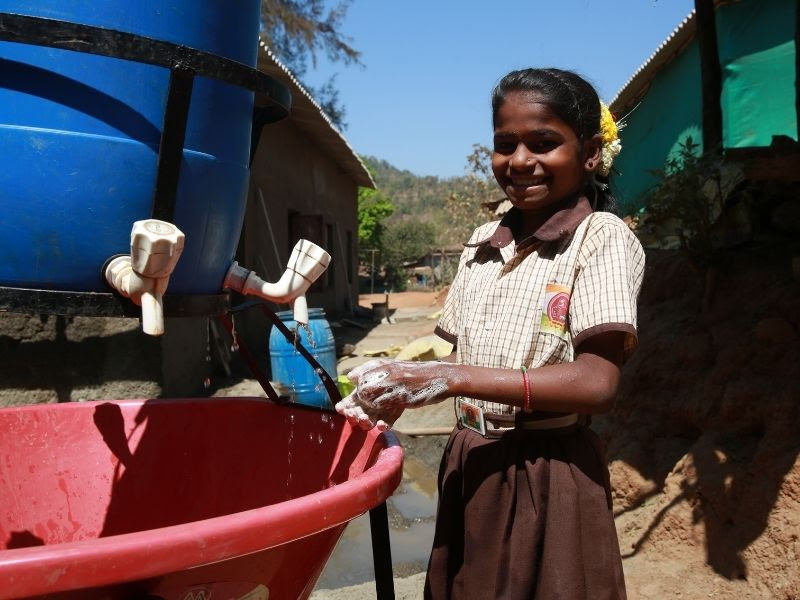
542	313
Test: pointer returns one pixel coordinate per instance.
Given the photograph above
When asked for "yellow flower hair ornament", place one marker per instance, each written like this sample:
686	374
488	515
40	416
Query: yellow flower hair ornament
611	142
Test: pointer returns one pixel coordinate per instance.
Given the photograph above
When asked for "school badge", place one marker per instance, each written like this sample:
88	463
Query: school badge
555	309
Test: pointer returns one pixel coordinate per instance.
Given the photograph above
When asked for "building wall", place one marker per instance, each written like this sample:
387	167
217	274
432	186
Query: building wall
757	55
297	191
670	112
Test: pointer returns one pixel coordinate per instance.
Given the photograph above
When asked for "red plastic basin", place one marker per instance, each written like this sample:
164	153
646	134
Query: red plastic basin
181	498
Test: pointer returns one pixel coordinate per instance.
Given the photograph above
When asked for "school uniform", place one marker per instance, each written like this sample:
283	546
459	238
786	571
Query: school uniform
525	507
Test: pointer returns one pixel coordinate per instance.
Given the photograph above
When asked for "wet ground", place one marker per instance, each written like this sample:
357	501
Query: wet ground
412	508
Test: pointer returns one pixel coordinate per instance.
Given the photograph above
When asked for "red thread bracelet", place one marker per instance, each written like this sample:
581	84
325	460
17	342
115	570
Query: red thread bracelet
526	405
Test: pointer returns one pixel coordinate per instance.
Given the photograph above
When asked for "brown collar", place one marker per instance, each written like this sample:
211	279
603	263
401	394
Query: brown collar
560	225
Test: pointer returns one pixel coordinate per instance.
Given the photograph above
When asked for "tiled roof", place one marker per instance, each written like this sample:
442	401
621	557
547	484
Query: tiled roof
312	120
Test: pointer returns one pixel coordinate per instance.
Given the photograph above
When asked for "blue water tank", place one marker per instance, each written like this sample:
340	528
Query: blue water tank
291	369
79	135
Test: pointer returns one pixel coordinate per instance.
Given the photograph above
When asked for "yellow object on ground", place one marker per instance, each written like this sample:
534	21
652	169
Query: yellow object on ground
345	386
390	351
429	347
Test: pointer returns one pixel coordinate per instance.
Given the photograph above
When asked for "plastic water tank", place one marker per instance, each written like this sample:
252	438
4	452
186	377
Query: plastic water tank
290	368
80	136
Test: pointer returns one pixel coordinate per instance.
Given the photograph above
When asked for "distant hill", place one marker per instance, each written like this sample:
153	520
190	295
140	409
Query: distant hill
416	195
423	197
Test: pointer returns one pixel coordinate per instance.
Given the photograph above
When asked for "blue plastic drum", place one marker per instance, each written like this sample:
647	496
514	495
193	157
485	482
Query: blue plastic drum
291	369
79	135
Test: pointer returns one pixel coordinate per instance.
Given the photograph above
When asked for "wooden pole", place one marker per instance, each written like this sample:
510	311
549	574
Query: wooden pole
797	65
372	273
710	74
425	431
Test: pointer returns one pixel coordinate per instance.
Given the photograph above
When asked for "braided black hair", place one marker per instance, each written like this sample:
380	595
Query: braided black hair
574	101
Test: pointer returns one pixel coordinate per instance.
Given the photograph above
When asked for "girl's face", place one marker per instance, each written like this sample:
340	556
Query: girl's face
537	158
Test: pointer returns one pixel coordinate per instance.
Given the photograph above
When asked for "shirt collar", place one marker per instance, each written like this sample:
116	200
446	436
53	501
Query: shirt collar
559	226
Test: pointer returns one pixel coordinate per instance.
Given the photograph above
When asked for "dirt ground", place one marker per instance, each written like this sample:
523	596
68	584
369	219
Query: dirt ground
404	299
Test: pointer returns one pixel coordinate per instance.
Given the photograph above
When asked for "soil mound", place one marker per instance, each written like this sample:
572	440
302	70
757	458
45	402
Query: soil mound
704	441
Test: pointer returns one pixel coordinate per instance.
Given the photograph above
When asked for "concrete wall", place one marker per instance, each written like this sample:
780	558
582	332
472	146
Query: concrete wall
47	359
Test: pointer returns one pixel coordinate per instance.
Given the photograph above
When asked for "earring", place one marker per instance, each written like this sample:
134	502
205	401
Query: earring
590	164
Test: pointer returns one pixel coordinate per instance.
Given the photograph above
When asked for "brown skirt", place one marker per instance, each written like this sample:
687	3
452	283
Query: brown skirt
526	515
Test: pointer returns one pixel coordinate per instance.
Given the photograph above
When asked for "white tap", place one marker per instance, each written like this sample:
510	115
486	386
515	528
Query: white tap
143	276
306	263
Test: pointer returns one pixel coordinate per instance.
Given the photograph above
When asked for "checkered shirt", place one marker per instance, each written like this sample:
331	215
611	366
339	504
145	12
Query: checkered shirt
496	304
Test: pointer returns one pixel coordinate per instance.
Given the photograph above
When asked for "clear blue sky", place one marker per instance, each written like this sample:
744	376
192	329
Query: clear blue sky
422	98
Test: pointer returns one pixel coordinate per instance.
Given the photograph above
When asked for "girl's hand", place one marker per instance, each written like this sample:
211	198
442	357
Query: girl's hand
365	417
384	384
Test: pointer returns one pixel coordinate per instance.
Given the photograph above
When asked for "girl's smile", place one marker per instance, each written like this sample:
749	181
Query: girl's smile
537	158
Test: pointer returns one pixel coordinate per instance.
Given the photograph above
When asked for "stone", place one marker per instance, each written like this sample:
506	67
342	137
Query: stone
786	216
775	330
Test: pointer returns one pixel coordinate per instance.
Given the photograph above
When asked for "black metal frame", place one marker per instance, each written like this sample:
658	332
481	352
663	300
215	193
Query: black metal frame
184	64
381	552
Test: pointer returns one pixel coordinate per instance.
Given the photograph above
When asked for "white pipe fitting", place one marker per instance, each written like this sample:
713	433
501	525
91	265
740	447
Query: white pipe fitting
306	263
143	276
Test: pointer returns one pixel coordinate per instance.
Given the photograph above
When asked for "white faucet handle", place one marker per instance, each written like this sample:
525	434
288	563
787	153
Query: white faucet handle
309	260
156	247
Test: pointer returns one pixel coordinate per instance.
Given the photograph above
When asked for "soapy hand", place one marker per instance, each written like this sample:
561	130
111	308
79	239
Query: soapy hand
382	383
364	417
384	388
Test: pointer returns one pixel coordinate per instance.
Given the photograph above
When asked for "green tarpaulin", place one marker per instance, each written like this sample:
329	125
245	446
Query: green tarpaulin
757	54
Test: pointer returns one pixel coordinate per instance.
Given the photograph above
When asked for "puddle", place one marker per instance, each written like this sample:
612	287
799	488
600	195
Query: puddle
351	560
419	476
411	525
412	505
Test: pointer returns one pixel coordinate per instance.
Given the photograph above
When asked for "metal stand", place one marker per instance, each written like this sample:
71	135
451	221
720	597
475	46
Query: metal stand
381	552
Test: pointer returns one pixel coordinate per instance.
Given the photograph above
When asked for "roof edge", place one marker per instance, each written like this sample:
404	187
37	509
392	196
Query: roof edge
336	141
637	84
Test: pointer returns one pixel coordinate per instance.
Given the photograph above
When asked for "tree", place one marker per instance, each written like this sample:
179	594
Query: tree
403	242
296	30
374	207
688	202
465	204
